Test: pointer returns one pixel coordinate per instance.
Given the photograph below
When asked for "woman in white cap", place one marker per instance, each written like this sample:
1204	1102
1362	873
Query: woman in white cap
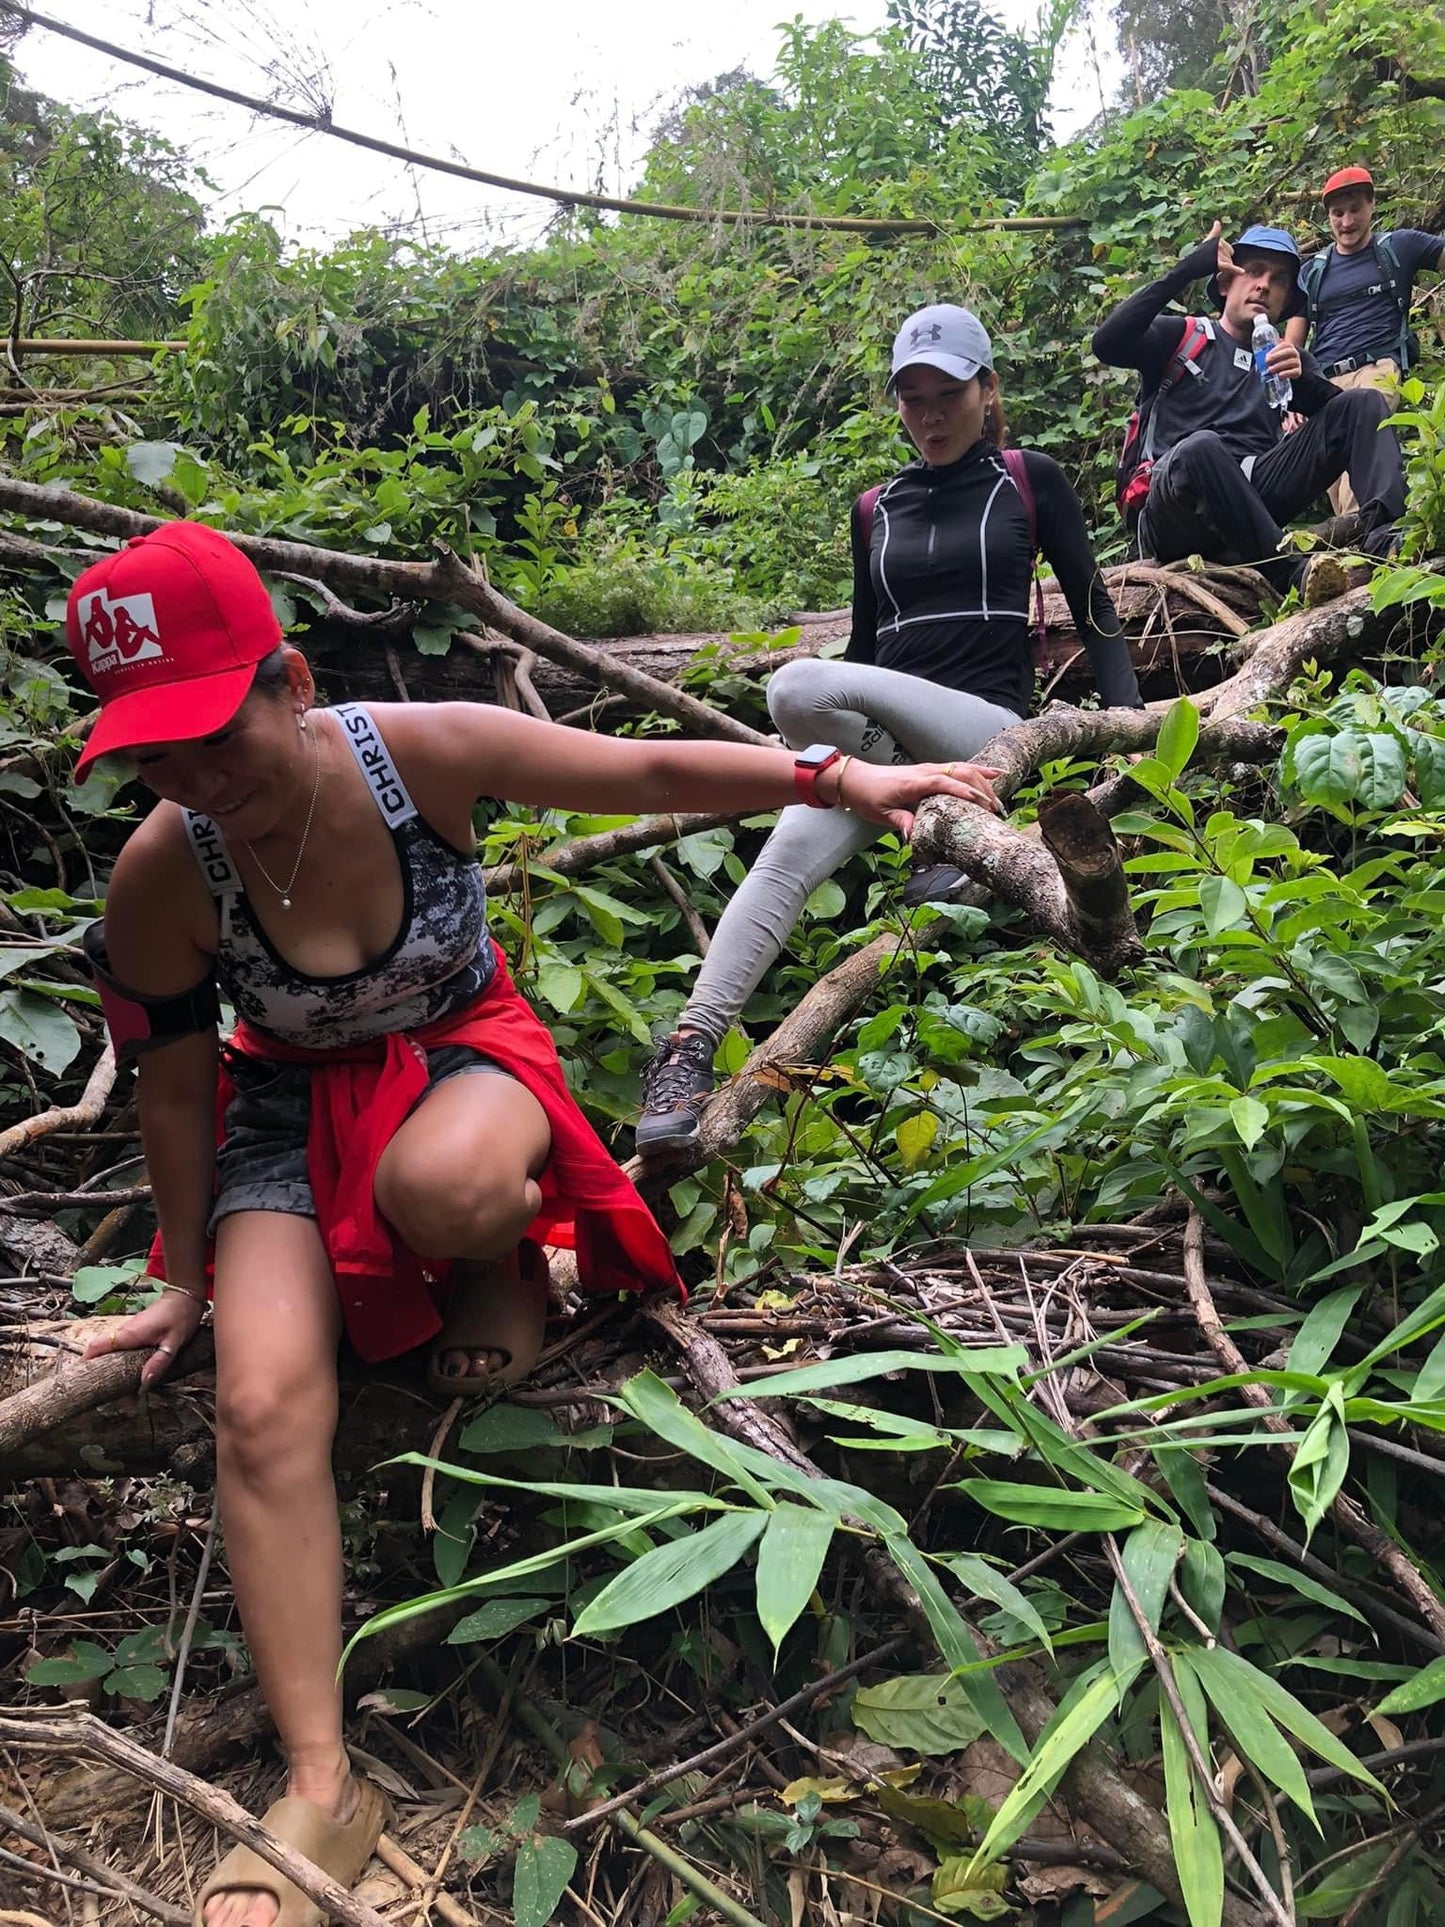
388	1103
938	662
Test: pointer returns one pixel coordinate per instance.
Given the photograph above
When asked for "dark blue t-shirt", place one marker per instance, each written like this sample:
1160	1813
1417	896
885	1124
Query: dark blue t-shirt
1356	317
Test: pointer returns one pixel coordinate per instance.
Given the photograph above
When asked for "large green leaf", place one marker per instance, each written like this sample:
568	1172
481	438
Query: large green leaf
958	1646
987	1582
995	1361
1427	1688
1149	1556
1038	1505
790	1557
39	1029
544	1866
1078	1716
1198	1854
670	1573
928	1713
1321	1461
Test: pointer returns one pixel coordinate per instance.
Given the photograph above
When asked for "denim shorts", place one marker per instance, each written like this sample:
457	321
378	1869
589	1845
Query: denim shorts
261	1166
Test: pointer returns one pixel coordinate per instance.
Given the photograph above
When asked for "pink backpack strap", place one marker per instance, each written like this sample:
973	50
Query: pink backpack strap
867	502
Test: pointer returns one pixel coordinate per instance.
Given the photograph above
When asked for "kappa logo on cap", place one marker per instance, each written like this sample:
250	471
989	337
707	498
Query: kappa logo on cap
119	632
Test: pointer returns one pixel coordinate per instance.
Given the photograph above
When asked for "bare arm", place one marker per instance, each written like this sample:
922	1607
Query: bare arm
1295	330
476	749
154	949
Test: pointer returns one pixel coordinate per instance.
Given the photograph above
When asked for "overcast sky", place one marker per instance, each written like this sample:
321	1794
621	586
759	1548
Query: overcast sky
560	91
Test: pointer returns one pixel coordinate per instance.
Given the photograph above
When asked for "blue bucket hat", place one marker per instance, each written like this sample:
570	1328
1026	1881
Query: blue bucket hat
1265	240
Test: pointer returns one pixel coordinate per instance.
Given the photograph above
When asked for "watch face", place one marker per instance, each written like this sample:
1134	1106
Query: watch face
816	756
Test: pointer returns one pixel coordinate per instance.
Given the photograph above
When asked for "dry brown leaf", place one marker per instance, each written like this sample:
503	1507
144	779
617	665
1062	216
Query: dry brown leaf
1050	1884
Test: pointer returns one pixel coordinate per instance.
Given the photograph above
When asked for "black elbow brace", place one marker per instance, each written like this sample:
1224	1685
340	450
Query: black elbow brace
138	1023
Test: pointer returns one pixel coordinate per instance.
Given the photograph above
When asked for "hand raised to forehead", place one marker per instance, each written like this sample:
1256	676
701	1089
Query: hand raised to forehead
1224	255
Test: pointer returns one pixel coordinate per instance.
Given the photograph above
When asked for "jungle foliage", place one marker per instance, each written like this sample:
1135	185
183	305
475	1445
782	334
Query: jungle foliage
643	425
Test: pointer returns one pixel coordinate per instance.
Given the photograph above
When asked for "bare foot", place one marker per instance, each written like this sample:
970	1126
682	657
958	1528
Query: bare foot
253	1907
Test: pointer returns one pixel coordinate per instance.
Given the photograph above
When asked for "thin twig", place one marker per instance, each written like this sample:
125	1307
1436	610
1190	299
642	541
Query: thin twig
189	1629
114	1881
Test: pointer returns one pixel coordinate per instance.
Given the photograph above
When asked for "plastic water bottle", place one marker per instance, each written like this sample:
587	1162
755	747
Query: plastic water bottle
1278	390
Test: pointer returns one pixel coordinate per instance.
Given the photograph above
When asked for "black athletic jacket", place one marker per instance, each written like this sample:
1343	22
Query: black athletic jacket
942	589
1225	394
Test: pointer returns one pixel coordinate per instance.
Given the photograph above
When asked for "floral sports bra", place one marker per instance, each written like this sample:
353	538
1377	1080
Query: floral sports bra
440	959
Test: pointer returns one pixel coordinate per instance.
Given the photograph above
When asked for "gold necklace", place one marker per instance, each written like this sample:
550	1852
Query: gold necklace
284	892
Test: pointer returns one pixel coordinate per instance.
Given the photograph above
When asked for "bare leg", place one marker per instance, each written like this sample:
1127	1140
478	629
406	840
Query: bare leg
277	1326
459	1179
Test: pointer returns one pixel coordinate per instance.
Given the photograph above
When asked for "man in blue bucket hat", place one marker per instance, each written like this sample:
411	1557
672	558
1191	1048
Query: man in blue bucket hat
1210	470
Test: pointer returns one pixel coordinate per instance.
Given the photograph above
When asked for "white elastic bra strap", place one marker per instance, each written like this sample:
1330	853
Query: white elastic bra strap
374	760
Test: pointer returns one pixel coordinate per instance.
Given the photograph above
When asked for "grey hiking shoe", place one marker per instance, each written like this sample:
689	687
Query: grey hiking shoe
675	1086
937	884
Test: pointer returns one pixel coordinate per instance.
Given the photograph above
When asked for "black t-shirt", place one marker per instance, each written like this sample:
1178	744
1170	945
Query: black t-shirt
1220	391
942	582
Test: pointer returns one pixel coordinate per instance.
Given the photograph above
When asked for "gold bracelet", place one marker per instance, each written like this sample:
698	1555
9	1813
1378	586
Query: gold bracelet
843	762
195	1296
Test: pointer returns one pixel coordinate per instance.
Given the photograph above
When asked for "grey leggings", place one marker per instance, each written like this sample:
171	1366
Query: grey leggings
879	715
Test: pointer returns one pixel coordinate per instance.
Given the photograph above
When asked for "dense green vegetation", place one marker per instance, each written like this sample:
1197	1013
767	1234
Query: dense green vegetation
646	425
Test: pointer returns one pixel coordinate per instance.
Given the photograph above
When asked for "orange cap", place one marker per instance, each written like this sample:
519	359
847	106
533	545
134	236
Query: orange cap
1344	177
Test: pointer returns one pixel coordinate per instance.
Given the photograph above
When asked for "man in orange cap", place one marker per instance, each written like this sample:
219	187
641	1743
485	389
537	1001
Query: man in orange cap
1357	296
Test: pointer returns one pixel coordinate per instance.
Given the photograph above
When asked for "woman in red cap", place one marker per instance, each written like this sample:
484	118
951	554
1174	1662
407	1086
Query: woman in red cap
387	1105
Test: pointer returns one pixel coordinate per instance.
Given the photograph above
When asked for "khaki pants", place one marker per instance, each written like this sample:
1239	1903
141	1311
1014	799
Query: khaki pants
1375	374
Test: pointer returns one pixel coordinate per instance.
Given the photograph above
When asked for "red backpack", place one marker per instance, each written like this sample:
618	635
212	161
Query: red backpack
1018	474
1136	457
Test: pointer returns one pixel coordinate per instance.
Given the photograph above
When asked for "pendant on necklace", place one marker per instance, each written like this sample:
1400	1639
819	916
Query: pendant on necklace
285	903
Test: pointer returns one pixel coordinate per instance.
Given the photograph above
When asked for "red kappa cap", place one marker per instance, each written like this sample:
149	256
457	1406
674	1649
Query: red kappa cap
1344	177
168	632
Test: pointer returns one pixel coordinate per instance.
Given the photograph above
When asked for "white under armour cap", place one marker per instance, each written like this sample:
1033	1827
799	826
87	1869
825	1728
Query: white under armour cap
945	337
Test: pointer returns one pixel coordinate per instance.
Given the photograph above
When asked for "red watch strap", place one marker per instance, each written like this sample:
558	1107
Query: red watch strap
805	780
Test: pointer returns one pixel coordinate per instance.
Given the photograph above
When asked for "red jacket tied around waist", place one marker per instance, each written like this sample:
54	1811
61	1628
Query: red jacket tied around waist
361	1096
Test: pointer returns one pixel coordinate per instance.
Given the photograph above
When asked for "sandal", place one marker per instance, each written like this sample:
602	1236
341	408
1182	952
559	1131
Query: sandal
340	1848
499	1307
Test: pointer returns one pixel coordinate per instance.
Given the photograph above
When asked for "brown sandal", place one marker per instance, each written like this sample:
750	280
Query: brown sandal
340	1848
499	1307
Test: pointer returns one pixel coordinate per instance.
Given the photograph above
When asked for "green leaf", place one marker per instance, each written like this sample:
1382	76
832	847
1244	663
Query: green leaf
1260	1689
960	1887
1317	1337
561	985
495	1620
1250	1118
1079	1715
1003	1361
790	1557
986	1582
83	1661
91	1283
1321	1461
1343	1882
39	1029
670	1573
151	462
930	1713
1198	1854
1223	903
1256	1737
544	1867
1299	1582
1037	1505
1149	1556
510	1428
914	1138
1178	734
137	1682
1425	1689
957	1645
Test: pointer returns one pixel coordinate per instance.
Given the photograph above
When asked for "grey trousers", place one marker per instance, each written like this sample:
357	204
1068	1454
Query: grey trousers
879	715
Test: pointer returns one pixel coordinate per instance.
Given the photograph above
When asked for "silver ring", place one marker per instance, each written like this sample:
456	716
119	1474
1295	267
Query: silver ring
169	1350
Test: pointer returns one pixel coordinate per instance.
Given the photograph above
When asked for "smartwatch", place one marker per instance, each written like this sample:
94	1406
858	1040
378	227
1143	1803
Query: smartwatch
808	766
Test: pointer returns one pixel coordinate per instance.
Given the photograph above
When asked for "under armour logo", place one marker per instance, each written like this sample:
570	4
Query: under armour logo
934	332
120	632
